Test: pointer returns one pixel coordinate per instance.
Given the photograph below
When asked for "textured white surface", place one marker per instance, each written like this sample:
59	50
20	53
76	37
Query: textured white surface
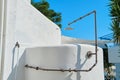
61	56
1	26
58	57
64	57
30	28
27	26
36	28
97	73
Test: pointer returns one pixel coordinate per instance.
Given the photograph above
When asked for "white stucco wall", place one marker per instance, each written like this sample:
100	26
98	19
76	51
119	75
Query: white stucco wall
36	28
100	66
27	26
1	25
23	23
63	56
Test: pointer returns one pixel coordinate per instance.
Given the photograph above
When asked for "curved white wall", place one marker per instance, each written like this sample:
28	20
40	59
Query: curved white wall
1	27
63	57
54	57
31	28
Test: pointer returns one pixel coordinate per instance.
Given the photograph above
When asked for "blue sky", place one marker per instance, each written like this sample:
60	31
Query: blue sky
83	29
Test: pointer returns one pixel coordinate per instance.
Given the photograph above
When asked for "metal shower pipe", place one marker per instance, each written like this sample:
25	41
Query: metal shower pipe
89	53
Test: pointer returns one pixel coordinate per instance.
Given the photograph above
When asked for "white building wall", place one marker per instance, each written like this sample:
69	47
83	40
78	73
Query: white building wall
26	25
65	56
37	30
1	25
30	28
98	71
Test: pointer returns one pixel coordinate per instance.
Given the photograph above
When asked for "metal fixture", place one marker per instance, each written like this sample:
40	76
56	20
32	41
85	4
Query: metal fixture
68	28
88	55
17	45
61	70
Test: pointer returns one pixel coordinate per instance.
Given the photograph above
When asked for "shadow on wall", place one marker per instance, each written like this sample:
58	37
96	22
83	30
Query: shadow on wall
18	72
79	65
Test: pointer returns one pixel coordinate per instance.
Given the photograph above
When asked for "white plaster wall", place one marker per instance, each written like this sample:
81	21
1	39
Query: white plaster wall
97	73
36	28
63	57
1	13
29	1
58	57
99	68
1	25
30	28
9	37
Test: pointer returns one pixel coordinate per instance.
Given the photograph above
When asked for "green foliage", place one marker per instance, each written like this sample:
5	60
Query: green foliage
115	9
44	7
115	15
116	31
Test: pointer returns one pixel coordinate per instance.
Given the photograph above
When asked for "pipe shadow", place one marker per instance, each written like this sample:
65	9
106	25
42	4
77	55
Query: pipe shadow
13	57
79	65
18	72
